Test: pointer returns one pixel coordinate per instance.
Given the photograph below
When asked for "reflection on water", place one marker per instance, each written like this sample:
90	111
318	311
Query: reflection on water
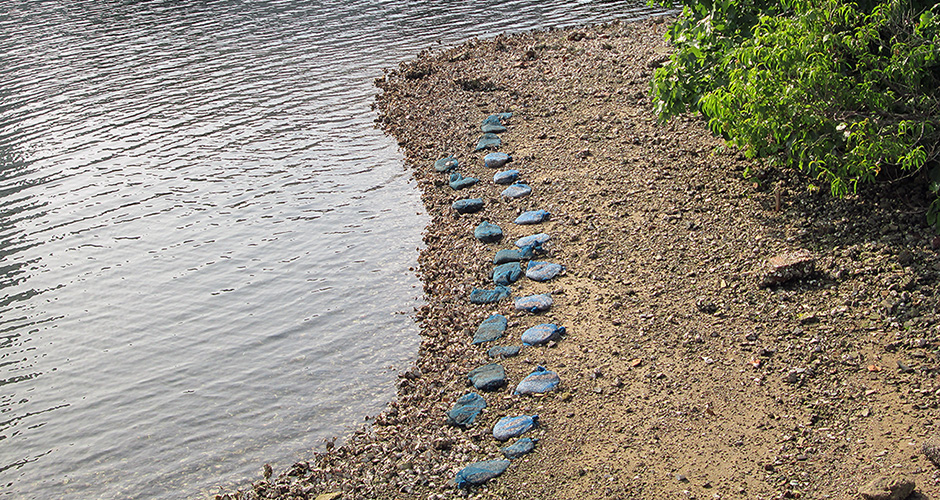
204	243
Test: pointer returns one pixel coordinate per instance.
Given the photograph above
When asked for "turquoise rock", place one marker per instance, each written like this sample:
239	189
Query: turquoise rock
534	303
496	160
488	232
490	329
488	141
458	181
496	119
519	448
479	473
538	382
493	128
503	351
513	255
465	409
517	191
543	271
536	240
541	334
505	176
481	296
489	377
533	217
510	427
446	164
468	206
507	274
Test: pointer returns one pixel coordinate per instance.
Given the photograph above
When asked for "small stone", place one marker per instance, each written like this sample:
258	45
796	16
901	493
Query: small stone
534	303
506	176
788	266
446	164
516	191
482	296
488	141
488	232
468	206
503	351
493	128
931	450
509	427
466	409
887	488
535	240
489	377
543	271
507	274
519	448
533	217
490	329
513	255
458	181
496	160
541	334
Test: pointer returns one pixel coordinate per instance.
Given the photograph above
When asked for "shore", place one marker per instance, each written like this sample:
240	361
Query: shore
681	375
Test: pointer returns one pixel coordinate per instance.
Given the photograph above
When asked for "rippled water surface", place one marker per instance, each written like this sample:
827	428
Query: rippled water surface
204	243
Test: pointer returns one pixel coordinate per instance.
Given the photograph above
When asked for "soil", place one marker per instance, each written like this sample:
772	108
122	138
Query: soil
682	376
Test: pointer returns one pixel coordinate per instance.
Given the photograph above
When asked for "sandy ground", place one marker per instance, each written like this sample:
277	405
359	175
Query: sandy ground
681	376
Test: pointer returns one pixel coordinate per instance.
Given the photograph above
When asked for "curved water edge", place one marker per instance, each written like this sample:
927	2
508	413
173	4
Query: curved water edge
204	243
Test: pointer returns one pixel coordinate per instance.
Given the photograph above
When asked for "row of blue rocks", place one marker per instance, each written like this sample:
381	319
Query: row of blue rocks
507	270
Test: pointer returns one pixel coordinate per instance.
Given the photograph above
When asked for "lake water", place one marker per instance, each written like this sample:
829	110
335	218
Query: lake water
204	242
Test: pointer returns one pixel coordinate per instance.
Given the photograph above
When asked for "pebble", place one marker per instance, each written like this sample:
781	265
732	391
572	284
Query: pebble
496	160
887	488
517	191
503	351
446	164
465	409
507	274
509	427
533	217
931	450
788	266
535	240
479	473
542	271
458	181
488	141
519	448
541	334
505	176
489	377
534	303
482	296
539	381
488	232
468	206
490	329
513	255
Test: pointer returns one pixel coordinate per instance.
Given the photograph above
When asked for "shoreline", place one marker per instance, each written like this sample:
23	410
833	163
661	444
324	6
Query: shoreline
680	374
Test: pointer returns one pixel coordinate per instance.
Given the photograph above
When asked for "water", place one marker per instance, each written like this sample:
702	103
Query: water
204	243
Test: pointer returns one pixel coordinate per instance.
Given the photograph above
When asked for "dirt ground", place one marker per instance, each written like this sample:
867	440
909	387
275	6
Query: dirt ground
682	377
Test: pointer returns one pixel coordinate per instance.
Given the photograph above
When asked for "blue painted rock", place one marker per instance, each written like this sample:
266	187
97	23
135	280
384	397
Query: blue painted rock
481	296
468	206
536	240
465	409
533	217
542	271
510	427
446	164
458	181
488	233
538	382
541	334
488	377
503	351
519	448
517	191
493	128
534	303
513	255
507	274
496	160
505	176
488	141
479	473
490	329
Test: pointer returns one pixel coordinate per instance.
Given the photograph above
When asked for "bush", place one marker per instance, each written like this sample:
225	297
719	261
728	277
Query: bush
845	91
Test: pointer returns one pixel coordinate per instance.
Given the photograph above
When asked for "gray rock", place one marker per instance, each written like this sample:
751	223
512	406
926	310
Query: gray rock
488	232
788	266
488	141
446	164
468	206
534	303
887	488
496	160
490	329
506	176
489	377
503	351
482	296
507	274
517	191
466	409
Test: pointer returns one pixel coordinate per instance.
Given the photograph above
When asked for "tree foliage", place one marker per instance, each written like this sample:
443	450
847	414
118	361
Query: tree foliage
842	90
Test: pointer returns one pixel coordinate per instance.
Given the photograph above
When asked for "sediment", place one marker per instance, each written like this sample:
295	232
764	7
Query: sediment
684	372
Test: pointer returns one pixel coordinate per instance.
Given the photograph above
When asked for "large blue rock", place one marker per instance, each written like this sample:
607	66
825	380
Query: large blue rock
519	448
488	141
468	206
534	303
496	160
542	271
479	473
535	240
517	191
481	296
446	164
458	181
542	334
489	377
490	329
488	232
533	217
538	382
510	427
513	255
507	274
465	409
503	351
493	128
505	176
